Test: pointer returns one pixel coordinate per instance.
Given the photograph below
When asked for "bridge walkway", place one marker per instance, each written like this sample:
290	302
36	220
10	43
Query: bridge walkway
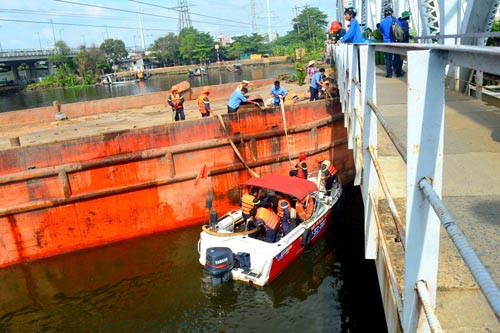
471	191
427	162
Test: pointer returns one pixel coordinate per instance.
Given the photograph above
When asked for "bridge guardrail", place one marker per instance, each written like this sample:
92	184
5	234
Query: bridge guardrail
424	161
31	53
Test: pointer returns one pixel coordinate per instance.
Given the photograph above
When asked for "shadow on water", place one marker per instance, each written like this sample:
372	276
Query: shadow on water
154	284
45	97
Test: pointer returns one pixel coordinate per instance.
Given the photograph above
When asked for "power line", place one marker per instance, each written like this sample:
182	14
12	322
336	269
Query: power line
83	25
135	12
179	9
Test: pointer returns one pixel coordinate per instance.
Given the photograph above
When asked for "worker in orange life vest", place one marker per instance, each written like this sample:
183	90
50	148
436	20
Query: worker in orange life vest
176	101
269	219
247	204
301	167
204	102
329	175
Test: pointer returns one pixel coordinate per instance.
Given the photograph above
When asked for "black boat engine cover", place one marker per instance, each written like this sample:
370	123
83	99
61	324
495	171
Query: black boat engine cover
219	263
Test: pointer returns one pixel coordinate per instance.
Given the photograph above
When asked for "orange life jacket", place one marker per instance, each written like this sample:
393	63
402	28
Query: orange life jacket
332	170
305	209
283	203
301	169
268	217
177	101
202	103
247	203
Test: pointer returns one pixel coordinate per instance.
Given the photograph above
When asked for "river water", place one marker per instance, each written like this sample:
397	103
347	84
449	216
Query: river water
155	284
45	97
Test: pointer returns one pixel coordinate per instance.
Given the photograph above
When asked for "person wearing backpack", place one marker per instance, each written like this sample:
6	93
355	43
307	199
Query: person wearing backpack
386	28
405	17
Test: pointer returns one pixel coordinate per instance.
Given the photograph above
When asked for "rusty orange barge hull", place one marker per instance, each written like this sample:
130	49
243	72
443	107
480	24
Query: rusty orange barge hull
100	189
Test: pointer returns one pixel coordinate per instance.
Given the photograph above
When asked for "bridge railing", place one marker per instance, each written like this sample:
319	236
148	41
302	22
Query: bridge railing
423	156
32	53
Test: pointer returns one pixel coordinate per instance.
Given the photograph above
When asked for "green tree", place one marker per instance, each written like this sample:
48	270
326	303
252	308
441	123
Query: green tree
309	28
253	43
195	46
62	52
494	41
114	49
64	63
166	49
91	63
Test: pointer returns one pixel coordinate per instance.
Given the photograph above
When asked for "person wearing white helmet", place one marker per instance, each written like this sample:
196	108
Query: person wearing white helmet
329	175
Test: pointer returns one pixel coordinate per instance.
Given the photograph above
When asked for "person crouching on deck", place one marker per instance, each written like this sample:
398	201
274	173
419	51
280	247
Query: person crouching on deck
269	219
278	93
301	167
204	102
176	101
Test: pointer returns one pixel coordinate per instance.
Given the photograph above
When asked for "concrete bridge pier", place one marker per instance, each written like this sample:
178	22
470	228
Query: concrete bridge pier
33	72
50	68
15	73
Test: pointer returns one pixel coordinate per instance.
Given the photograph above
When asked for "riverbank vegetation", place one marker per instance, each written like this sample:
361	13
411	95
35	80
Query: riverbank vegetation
190	46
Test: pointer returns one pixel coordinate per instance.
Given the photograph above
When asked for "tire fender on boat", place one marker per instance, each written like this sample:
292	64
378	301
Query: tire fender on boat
306	237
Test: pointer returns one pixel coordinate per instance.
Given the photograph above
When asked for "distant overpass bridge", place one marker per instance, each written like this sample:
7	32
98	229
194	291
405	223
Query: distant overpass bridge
12	59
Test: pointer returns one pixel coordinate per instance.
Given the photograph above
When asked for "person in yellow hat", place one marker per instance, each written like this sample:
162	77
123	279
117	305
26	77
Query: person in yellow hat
204	102
176	101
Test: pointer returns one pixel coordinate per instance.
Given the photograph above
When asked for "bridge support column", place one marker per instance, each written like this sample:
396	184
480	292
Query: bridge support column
33	73
425	130
15	73
50	68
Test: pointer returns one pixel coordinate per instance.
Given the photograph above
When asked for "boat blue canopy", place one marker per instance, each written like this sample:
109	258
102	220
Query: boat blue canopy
294	186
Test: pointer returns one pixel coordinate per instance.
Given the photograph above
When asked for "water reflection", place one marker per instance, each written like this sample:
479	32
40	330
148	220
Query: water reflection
32	99
155	284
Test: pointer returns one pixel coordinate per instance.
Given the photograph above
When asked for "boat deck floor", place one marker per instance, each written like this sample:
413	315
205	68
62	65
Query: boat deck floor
40	133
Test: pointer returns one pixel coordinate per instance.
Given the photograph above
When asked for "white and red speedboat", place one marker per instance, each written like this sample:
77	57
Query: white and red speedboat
228	252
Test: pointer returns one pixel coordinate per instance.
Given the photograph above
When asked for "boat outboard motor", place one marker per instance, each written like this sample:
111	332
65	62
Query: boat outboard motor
219	264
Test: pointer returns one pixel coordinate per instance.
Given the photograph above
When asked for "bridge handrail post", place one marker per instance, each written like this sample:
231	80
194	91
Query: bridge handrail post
351	93
340	63
369	137
425	132
355	115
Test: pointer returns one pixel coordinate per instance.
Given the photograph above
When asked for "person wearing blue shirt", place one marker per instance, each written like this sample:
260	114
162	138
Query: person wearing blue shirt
353	34
405	16
391	60
316	83
235	100
278	93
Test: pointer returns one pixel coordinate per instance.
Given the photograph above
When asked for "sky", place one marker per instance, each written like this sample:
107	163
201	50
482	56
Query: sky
34	24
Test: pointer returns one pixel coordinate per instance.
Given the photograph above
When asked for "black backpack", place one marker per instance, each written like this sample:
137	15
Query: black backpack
397	31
